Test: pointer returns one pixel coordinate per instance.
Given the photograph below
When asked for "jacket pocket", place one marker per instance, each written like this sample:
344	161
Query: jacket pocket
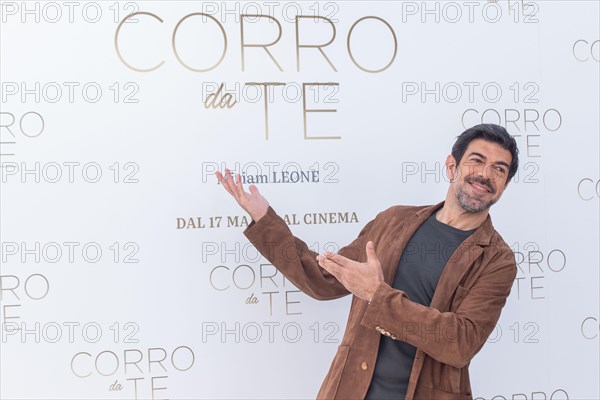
461	293
437	394
332	380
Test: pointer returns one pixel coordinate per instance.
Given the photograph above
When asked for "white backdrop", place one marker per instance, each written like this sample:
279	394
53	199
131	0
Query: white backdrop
124	271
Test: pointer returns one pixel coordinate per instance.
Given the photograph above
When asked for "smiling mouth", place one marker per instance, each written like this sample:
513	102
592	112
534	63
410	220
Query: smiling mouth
479	187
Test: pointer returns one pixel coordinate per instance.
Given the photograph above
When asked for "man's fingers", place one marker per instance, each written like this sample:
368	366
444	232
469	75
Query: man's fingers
341	260
228	178
326	261
220	178
232	185
238	185
253	190
223	182
371	255
330	266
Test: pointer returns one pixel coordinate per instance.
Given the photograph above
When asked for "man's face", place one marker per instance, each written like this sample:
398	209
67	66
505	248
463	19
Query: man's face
481	177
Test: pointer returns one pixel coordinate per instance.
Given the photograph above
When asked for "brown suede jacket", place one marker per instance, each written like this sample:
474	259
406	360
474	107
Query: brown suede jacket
466	305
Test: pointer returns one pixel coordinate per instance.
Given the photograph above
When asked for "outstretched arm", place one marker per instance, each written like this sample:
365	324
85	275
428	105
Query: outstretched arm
452	337
290	255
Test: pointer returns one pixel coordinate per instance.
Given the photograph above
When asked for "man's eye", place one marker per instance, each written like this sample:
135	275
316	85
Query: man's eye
501	170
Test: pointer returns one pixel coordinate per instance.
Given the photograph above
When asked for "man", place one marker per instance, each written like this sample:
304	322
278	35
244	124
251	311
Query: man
424	304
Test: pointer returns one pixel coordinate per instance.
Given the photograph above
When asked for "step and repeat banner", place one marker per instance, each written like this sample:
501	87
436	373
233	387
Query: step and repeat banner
124	270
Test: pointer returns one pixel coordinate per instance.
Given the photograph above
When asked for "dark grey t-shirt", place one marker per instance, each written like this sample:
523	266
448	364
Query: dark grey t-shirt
419	270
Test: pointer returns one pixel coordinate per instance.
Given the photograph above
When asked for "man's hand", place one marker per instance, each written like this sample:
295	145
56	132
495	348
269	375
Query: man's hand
361	279
254	203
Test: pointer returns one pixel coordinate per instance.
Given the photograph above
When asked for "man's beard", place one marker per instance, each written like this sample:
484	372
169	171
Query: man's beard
470	204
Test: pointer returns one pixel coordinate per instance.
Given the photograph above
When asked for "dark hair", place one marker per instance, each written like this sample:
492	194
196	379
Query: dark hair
492	133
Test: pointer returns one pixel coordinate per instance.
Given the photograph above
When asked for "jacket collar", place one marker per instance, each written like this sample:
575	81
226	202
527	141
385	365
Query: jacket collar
482	236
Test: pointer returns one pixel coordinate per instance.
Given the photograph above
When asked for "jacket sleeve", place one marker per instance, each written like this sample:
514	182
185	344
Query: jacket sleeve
449	337
292	257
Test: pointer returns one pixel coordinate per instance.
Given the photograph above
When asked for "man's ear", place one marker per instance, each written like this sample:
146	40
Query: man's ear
451	169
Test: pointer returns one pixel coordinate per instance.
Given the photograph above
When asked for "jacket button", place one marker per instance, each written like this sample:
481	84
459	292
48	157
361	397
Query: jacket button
364	366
